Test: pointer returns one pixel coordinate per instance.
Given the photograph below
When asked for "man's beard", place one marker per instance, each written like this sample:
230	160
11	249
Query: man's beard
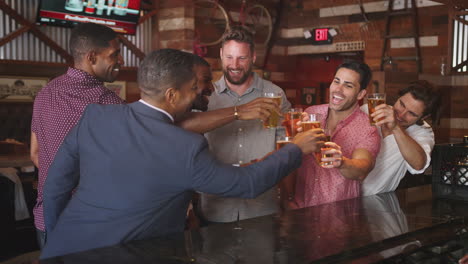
242	80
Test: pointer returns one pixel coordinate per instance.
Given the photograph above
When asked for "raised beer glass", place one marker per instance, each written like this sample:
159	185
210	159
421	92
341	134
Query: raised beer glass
373	100
281	140
272	121
313	122
290	121
322	150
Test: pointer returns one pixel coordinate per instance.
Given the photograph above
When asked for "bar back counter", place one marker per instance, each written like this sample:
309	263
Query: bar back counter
406	226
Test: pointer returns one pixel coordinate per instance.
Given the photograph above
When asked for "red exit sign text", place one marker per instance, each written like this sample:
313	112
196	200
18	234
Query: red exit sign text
321	34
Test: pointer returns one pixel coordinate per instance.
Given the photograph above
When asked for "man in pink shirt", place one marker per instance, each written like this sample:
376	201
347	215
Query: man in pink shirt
354	142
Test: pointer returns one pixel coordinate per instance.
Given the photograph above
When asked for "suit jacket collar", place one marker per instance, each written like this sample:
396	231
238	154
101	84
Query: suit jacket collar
143	109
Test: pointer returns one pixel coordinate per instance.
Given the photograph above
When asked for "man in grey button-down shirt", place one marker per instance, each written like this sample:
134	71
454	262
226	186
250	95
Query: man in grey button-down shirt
240	141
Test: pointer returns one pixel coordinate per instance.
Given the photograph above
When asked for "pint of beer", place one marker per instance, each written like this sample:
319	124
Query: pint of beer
282	143
290	121
313	122
281	138
322	150
272	121
373	100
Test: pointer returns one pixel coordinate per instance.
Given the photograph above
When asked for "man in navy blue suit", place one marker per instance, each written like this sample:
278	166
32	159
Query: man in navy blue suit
134	171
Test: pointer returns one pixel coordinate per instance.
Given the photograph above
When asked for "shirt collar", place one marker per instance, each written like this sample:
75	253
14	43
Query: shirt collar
82	75
157	109
349	118
256	84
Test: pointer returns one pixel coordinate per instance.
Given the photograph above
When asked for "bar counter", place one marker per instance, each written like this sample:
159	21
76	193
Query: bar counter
389	228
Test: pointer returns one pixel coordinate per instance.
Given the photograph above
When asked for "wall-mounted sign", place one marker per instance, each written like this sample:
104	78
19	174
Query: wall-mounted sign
321	36
309	96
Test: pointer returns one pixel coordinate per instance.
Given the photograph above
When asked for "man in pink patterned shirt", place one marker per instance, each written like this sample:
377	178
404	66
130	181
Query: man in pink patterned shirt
60	104
354	142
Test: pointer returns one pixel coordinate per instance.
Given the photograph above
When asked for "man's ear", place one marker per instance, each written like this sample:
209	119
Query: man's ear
91	57
171	96
362	94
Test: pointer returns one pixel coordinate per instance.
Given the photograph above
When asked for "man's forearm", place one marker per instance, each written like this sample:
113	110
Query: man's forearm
355	169
411	151
202	122
34	150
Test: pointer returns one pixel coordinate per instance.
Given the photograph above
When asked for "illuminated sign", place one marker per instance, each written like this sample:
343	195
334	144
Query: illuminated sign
321	36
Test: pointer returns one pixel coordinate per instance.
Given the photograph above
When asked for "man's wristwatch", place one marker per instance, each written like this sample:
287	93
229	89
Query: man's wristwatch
236	114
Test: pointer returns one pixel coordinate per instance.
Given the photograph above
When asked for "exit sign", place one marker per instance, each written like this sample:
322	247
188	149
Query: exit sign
321	36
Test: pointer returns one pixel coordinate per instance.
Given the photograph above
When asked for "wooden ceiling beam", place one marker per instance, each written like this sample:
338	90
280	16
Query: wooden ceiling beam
13	35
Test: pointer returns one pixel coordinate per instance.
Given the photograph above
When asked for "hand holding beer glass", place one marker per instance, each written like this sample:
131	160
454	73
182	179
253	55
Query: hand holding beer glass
332	157
324	150
373	100
312	121
290	121
273	119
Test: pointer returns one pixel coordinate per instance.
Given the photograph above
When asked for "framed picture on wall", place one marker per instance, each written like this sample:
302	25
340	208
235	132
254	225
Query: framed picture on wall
309	96
19	88
117	87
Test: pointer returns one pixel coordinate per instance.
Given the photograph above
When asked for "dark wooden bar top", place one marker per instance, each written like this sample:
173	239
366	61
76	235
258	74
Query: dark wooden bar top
381	228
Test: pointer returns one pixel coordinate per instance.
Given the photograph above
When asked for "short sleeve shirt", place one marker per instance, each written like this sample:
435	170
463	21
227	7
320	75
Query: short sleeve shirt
316	185
57	109
240	142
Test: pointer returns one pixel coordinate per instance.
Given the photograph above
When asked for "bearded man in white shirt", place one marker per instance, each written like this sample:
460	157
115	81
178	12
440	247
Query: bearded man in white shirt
407	140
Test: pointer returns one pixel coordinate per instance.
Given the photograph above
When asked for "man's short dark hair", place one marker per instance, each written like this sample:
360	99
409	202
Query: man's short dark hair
199	61
89	36
363	69
239	34
163	69
425	92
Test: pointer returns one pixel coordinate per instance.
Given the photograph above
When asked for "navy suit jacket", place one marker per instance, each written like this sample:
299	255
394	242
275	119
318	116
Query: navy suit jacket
134	172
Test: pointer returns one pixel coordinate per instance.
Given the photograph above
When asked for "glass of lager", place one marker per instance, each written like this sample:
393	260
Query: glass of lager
373	100
323	155
290	121
272	121
282	139
313	122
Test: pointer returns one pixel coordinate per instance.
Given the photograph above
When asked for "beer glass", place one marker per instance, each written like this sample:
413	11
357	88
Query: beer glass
290	121
272	121
373	100
322	150
314	122
281	138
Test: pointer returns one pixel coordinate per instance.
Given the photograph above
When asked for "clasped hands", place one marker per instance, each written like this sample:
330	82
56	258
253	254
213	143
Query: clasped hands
330	152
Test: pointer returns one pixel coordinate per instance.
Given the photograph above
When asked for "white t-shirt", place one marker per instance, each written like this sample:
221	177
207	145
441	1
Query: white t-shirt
390	166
